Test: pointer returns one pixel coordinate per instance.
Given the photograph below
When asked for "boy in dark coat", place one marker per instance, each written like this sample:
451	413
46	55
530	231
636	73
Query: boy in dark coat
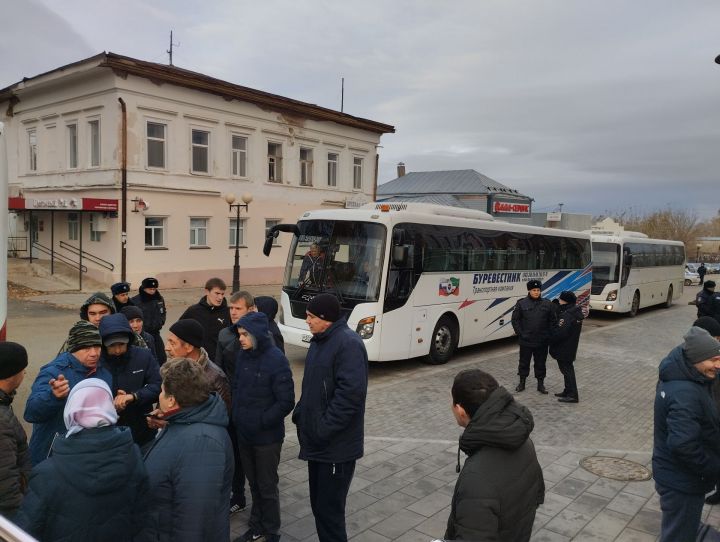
154	311
564	344
501	484
263	395
212	312
686	443
533	319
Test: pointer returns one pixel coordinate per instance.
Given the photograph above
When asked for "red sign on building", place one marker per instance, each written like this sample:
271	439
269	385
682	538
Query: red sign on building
500	207
63	204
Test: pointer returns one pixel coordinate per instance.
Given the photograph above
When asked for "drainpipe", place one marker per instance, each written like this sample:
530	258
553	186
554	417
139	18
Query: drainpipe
377	160
123	193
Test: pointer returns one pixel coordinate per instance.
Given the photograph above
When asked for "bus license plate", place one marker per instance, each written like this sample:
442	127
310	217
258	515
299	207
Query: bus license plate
306	338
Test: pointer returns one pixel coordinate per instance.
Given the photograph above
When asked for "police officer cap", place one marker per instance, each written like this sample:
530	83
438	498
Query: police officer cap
120	288
534	283
149	282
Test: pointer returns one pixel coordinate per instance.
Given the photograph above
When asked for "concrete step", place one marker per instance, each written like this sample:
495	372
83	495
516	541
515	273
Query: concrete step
37	276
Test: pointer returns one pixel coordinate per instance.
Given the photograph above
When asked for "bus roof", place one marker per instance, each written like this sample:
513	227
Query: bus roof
620	238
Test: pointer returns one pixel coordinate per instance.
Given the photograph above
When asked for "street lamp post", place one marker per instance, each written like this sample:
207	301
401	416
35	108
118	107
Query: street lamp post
230	199
697	252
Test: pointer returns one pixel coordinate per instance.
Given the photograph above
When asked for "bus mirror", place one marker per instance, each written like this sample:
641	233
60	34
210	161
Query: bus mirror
400	256
275	231
628	260
398	237
267	247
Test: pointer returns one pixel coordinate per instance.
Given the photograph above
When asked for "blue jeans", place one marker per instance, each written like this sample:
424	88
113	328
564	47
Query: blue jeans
681	513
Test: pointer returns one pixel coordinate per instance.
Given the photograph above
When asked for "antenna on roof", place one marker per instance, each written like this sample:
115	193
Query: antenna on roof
342	94
170	51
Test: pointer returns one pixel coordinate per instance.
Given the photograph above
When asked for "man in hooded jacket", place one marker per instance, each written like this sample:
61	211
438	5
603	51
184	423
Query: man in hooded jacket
263	394
686	442
501	484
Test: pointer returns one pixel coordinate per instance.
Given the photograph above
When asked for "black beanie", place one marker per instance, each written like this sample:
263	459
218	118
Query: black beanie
709	284
568	297
534	283
13	359
190	331
149	282
131	312
325	306
709	324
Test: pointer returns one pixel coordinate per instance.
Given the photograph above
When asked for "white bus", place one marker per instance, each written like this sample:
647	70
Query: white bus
420	279
631	271
3	232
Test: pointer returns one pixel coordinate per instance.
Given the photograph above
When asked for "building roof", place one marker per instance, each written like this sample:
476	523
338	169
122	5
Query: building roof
437	199
123	66
458	181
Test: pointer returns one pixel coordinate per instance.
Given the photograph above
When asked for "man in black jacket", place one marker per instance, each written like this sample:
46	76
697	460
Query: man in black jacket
154	313
533	319
501	484
212	312
564	344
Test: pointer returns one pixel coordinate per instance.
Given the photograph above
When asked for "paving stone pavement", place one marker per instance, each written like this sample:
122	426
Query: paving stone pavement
403	486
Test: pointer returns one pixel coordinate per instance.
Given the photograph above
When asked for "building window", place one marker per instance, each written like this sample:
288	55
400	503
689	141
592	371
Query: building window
155	232
94	128
156	137
269	224
357	173
275	162
198	232
239	156
333	159
94	234
73	226
306	167
32	150
72	146
200	151
240	230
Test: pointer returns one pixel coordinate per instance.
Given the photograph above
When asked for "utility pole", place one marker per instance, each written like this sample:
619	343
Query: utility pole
170	51
342	94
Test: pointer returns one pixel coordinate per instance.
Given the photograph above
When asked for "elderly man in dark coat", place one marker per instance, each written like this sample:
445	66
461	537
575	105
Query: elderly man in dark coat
501	484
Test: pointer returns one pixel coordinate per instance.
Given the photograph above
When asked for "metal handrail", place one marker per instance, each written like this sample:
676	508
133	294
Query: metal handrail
13	244
64	259
87	256
10	532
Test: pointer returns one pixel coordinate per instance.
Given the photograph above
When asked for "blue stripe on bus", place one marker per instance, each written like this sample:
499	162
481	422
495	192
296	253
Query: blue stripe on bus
497	302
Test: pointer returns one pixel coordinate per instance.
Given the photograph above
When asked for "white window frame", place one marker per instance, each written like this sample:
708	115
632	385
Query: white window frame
71	130
73	223
162	228
306	166
274	161
332	168
95	235
231	232
269	223
200	147
239	157
358	163
199	232
32	149
94	141
154	139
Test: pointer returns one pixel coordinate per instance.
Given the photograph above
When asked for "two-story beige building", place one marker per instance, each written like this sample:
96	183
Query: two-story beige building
129	164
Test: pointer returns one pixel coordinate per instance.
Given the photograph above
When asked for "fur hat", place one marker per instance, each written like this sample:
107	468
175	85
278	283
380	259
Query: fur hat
149	282
120	288
699	346
82	335
568	297
190	331
325	306
534	283
13	359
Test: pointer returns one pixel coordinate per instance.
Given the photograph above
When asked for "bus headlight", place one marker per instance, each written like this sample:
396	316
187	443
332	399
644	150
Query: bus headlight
612	296
365	327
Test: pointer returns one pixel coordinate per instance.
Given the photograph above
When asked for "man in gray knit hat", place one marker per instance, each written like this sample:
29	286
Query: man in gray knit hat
686	450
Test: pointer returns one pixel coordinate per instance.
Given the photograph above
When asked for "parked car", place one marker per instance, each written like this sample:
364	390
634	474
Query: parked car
690	266
691	278
712	268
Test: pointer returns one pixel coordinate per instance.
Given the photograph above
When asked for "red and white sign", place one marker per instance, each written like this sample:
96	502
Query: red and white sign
500	207
63	204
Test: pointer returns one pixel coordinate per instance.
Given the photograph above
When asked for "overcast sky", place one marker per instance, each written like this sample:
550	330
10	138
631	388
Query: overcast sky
603	105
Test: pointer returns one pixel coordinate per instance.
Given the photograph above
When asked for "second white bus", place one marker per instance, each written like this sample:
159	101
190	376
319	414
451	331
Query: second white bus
420	280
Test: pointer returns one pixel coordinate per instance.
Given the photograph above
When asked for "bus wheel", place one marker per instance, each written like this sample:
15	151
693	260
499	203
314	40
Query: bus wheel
444	341
669	299
688	282
635	305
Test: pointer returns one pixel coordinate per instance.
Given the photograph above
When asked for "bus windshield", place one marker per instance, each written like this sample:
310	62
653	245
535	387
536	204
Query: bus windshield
344	258
606	264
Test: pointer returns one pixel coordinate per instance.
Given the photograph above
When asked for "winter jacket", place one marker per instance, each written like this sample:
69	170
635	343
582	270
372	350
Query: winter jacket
149	341
94	487
211	318
219	382
154	311
135	372
44	410
263	391
120	306
269	306
190	465
227	349
686	447
501	484
14	457
533	320
708	304
330	414
311	269
565	335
